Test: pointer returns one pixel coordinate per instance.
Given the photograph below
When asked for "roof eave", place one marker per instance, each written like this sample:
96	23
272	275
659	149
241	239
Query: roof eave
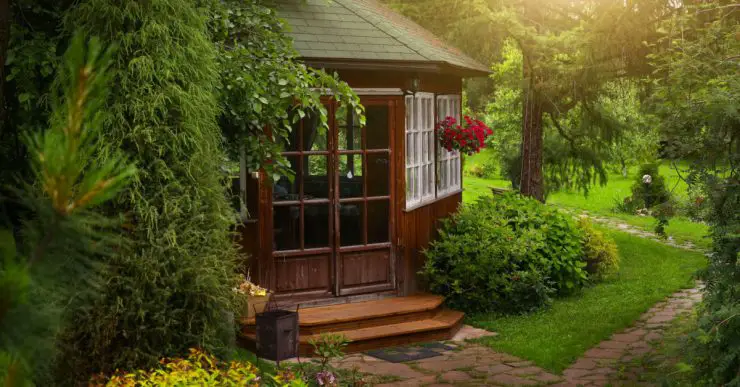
395	65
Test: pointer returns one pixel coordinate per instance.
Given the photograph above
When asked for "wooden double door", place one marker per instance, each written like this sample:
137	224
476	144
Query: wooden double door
333	221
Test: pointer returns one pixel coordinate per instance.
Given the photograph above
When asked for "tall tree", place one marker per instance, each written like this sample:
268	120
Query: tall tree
696	94
171	289
570	50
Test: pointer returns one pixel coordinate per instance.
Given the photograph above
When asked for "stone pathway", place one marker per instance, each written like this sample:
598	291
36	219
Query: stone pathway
466	364
615	362
624	227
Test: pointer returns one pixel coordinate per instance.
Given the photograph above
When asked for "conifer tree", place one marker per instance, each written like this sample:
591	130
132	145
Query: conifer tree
570	50
172	288
49	262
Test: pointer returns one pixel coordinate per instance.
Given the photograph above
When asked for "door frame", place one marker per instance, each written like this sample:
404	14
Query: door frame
268	273
392	102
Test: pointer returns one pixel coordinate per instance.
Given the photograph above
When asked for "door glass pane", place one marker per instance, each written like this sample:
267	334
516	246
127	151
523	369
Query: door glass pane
378	174
348	125
316	226
378	221
316	178
286	231
286	188
376	129
351	224
314	135
350	176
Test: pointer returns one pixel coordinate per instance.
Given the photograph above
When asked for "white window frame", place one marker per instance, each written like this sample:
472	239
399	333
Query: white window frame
420	145
449	163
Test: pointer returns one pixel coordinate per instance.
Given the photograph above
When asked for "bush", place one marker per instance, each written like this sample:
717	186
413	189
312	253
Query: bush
486	169
599	251
508	254
198	369
653	193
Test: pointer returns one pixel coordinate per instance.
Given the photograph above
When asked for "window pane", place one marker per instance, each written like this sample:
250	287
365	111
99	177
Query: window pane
316	226
314	135
286	232
351	224
376	129
378	221
378	174
350	133
350	176
284	189
409	149
316	179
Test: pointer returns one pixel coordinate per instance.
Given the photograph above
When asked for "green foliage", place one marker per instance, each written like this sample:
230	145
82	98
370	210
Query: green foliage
171	288
328	347
52	264
264	85
507	254
599	252
198	369
486	169
554	338
695	93
652	193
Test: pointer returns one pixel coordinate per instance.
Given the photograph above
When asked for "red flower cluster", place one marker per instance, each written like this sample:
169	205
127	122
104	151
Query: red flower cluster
468	138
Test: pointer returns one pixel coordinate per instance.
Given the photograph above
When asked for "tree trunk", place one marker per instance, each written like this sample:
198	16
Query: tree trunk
4	38
532	183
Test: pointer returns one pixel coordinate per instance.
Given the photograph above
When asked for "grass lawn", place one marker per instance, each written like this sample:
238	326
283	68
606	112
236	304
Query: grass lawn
556	337
601	200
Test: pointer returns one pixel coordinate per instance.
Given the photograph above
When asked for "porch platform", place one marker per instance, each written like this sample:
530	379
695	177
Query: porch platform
373	324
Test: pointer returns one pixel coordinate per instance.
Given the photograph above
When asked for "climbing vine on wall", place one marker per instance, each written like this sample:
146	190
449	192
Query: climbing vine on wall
263	85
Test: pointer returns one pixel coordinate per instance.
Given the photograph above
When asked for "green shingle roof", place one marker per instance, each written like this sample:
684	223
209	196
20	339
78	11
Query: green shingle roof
365	30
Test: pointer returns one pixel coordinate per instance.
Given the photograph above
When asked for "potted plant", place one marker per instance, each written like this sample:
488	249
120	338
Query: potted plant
468	137
257	297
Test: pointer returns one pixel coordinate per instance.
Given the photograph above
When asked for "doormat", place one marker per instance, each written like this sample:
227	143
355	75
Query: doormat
411	353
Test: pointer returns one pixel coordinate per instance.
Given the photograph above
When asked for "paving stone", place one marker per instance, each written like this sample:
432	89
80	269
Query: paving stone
448	365
598	353
468	333
545	377
511	380
520	363
658	319
525	371
494	369
572	373
584	364
386	368
613	344
631	337
416	382
455	376
653	336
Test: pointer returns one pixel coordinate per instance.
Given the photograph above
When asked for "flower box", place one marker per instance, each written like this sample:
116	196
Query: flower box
256	305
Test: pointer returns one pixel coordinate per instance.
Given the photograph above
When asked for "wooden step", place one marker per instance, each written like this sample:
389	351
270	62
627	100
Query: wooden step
341	317
442	325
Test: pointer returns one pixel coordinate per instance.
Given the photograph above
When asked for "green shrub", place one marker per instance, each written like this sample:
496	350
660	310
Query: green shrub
198	369
599	252
653	193
508	254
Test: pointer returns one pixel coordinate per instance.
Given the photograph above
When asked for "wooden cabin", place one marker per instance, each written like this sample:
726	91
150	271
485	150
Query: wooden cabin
351	226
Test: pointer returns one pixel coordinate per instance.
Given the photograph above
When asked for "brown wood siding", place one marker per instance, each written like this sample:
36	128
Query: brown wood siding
418	228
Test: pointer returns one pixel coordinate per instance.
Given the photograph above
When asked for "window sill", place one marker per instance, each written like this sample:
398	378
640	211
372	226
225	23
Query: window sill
428	202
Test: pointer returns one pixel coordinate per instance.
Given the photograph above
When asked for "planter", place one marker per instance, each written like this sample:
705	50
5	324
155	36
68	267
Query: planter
256	305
